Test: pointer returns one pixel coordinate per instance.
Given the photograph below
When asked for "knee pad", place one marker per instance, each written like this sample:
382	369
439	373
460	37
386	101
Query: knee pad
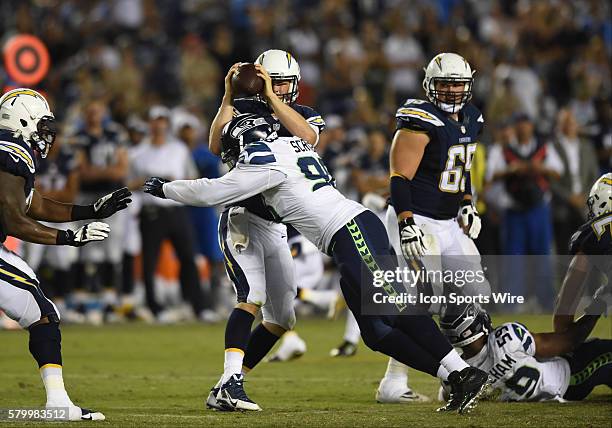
45	343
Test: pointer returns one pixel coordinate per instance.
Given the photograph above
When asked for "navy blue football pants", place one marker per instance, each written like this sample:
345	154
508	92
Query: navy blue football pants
409	335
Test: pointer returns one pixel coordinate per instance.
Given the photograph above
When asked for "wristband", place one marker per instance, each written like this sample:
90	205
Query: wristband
64	237
408	221
82	212
401	195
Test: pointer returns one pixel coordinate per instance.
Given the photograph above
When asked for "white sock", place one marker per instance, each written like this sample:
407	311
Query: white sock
442	373
57	396
351	330
453	361
396	371
233	363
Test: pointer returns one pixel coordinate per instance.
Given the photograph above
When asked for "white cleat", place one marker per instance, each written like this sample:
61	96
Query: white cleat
76	413
292	346
393	392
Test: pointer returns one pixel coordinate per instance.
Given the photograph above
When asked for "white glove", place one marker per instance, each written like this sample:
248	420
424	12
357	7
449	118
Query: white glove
96	231
469	217
411	239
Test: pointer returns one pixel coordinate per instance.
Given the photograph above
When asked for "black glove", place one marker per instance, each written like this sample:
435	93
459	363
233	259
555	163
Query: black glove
110	204
154	186
104	207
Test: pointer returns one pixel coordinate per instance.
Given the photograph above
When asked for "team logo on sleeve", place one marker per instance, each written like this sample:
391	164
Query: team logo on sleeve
417	113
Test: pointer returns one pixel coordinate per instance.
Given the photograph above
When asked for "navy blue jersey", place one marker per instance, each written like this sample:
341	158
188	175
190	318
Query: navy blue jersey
101	152
52	174
594	237
254	105
17	158
256	203
443	176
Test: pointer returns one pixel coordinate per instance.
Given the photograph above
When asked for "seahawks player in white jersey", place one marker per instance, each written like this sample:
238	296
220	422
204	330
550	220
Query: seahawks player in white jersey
298	189
525	366
27	126
431	212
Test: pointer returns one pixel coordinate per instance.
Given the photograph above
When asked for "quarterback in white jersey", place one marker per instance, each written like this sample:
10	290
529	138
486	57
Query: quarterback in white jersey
298	189
525	366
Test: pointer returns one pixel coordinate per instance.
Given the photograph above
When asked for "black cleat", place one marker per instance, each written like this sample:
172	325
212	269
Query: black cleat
346	349
467	386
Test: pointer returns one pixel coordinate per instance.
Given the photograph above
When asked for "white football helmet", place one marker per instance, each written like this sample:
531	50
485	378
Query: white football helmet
281	66
448	67
600	196
26	112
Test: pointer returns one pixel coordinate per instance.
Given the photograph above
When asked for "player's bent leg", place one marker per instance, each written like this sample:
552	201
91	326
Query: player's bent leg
22	300
590	365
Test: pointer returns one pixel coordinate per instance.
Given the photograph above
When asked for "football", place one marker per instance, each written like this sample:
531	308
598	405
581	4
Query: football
246	82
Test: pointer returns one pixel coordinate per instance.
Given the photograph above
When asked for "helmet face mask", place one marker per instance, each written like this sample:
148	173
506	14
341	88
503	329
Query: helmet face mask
443	72
600	197
26	113
282	67
239	133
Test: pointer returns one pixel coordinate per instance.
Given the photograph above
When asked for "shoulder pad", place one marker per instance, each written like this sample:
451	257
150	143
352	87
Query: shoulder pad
257	153
418	115
15	157
515	337
593	237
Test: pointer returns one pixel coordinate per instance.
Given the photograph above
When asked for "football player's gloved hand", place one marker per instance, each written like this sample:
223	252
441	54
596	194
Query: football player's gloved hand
96	231
469	219
154	186
108	205
411	239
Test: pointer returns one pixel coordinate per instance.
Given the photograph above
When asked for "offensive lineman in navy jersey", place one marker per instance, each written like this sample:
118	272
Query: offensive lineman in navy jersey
27	125
257	257
432	211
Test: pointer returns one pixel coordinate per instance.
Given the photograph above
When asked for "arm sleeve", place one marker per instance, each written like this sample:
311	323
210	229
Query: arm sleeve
239	184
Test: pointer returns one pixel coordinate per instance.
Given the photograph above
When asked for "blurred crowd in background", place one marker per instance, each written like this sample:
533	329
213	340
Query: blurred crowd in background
131	71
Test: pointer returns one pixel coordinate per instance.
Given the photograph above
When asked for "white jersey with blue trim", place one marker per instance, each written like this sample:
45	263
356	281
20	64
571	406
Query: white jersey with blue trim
516	373
296	186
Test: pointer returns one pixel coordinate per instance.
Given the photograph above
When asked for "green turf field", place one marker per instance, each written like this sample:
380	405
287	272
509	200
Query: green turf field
142	375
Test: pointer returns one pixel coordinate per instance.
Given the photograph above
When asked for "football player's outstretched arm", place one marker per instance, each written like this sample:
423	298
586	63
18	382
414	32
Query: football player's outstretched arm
14	219
554	344
291	119
224	115
45	209
237	185
16	222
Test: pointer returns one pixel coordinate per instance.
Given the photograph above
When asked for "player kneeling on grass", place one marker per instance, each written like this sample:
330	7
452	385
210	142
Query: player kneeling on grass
28	126
525	366
297	187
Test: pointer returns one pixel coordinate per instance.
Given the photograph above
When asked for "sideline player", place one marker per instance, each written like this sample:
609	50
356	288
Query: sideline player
257	245
27	125
298	188
432	213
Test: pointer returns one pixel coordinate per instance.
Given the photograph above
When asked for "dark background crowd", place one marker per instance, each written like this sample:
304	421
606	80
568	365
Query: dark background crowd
542	81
